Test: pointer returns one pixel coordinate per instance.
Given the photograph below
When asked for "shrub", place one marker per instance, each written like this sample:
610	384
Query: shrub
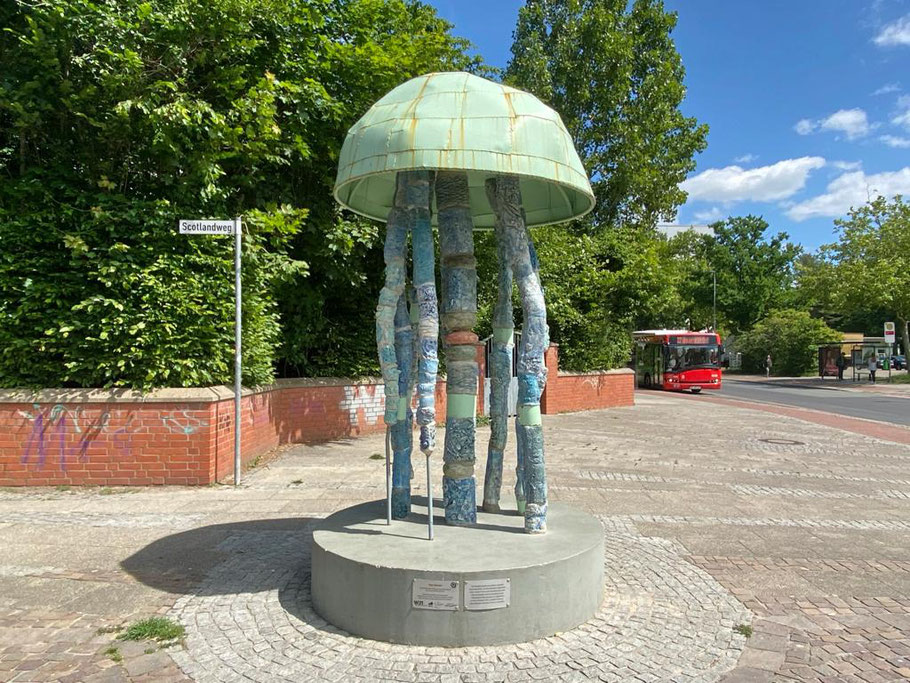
791	337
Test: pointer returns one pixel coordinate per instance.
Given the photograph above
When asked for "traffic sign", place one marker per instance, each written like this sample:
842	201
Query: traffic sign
889	333
203	227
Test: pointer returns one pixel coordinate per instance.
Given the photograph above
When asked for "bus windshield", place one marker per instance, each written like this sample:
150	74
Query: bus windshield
680	357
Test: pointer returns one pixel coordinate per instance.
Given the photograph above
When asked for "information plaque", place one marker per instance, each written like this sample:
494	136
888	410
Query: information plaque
487	594
438	595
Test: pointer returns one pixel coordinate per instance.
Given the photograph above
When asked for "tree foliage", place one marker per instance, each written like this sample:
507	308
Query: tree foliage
755	272
791	337
865	275
599	287
611	70
119	117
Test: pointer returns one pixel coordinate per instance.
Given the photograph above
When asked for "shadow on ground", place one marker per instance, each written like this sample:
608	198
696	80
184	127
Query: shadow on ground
180	563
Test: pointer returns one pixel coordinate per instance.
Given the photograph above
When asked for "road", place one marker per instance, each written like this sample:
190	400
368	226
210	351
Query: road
870	406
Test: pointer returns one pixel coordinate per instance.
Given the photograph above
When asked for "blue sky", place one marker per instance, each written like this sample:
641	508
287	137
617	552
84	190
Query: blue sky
808	102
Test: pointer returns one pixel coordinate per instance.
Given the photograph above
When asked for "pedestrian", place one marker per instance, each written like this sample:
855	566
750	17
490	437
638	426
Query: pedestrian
841	364
768	366
873	366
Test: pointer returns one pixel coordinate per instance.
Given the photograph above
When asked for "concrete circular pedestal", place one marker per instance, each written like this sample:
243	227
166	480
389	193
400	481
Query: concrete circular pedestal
491	583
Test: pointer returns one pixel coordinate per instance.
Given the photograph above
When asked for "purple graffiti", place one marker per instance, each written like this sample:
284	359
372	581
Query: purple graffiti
50	426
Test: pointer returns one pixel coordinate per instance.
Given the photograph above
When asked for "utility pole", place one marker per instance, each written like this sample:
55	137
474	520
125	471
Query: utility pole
714	275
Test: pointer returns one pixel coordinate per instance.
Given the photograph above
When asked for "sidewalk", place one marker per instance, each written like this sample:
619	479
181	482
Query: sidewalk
881	386
715	517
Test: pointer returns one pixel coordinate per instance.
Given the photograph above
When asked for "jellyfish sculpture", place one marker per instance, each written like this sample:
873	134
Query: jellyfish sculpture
484	155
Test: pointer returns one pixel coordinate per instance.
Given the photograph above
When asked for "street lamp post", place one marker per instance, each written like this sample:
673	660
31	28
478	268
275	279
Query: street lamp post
714	276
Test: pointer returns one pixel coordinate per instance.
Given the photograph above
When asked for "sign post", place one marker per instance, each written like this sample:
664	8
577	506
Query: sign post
238	324
889	340
232	227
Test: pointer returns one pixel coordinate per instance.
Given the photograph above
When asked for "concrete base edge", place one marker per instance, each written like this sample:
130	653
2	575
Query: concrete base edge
366	576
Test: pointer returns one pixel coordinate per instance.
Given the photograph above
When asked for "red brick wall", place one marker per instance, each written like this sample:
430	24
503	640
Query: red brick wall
569	392
186	436
120	438
54	443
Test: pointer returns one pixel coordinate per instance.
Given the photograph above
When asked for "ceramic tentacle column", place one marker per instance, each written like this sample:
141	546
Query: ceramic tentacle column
394	334
402	433
500	376
424	279
459	313
505	198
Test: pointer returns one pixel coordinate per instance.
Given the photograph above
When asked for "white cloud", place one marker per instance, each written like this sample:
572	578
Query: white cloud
903	116
746	158
895	33
849	190
852	122
765	183
895	141
710	215
846	165
887	89
805	126
673	229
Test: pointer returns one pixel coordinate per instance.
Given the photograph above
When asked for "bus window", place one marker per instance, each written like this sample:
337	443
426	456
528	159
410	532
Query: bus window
681	357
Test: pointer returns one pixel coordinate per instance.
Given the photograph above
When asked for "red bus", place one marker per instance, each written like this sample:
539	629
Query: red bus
677	360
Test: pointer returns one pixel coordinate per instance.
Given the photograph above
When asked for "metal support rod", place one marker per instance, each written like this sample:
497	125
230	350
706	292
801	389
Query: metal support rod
429	501
388	476
238	322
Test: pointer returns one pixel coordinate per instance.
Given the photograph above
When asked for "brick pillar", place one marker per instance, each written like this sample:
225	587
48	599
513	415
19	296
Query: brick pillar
551	360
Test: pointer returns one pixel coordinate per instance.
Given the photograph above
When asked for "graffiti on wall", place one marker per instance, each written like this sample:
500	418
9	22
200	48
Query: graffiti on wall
50	426
367	399
189	424
49	429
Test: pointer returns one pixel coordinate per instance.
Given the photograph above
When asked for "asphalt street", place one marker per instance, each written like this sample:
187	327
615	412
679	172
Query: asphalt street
834	399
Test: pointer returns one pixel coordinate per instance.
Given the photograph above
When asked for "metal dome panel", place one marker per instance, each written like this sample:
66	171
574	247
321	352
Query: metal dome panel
456	121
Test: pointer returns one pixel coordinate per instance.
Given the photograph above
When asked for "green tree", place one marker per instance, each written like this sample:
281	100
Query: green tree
118	118
327	314
599	287
866	273
818	291
755	270
611	70
791	337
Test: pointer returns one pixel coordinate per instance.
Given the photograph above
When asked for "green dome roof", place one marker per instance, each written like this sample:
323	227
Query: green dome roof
458	121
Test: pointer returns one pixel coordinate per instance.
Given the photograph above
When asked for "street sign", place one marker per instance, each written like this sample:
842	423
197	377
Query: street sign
234	227
202	227
889	333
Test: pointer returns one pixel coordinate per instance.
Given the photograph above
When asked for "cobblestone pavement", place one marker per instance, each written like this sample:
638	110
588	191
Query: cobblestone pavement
720	523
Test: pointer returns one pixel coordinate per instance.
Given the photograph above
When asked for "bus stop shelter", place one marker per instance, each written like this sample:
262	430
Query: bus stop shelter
860	352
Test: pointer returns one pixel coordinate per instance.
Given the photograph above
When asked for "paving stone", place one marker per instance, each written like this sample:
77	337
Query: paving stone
714	516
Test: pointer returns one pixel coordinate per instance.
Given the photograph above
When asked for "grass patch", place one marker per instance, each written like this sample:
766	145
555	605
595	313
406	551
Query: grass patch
377	456
743	630
114	654
110	491
149	651
483	421
899	379
254	463
104	630
154	628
